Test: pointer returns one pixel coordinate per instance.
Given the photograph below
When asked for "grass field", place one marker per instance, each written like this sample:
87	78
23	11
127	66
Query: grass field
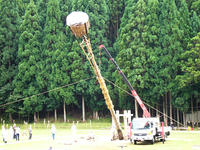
42	140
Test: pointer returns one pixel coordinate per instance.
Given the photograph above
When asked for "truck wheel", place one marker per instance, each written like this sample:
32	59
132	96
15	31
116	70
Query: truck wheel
163	140
168	133
135	142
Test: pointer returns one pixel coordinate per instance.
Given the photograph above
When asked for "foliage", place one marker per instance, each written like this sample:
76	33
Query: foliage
28	55
190	63
9	24
155	43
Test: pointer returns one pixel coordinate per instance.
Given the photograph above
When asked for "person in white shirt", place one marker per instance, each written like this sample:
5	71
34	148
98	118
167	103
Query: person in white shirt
11	133
4	134
53	131
17	133
73	129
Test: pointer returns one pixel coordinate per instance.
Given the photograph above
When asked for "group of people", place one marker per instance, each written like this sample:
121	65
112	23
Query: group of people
13	133
193	124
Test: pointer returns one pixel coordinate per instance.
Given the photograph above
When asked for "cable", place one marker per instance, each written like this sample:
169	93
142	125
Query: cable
145	103
45	92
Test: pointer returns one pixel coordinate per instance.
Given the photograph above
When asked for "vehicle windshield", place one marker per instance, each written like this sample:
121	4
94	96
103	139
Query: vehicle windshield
141	125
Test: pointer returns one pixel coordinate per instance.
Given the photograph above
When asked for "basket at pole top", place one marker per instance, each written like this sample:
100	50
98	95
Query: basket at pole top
79	23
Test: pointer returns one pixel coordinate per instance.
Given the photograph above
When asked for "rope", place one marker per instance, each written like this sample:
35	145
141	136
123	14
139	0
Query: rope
22	99
144	102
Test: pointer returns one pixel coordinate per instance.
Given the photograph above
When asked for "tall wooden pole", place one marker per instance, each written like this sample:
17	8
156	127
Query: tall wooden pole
102	86
79	24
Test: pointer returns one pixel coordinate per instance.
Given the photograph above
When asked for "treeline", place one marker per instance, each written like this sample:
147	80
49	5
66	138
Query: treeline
43	70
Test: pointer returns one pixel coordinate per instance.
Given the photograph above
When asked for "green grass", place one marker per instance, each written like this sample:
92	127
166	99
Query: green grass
176	141
64	141
91	124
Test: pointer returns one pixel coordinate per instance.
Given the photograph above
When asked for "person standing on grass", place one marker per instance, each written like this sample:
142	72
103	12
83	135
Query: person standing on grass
30	132
73	129
53	131
4	134
14	131
11	133
17	133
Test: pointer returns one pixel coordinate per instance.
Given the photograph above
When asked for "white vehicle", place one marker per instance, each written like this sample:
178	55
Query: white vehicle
148	129
143	129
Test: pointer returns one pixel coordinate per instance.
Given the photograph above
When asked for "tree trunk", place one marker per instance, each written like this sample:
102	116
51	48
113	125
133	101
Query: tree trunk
170	107
192	109
178	120
35	117
95	115
157	111
28	117
136	109
174	113
197	119
55	115
19	117
38	116
166	110
83	108
10	118
48	115
184	120
150	111
64	111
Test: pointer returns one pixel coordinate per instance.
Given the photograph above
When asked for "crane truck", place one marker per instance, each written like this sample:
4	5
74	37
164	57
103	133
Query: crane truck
142	129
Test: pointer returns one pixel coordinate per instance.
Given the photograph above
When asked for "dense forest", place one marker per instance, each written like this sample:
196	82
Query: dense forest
44	73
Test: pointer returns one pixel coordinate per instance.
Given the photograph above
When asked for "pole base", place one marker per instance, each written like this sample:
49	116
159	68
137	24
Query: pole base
120	134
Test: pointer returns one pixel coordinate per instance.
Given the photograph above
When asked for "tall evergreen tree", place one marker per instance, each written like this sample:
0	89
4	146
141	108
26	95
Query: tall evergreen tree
28	56
188	80
54	72
172	43
9	21
116	8
170	38
151	91
138	43
185	24
190	64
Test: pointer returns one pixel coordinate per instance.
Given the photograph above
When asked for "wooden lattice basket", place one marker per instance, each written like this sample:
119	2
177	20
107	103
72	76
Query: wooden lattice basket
78	23
80	29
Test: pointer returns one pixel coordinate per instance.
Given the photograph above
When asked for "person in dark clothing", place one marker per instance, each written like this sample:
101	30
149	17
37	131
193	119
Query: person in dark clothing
14	131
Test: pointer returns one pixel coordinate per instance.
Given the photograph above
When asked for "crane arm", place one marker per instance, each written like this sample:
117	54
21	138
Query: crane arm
133	92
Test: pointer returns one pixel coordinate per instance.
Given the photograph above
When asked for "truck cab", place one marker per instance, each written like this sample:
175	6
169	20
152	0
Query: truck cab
144	129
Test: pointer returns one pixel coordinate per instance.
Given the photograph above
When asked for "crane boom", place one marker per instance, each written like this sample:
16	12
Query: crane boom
133	92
